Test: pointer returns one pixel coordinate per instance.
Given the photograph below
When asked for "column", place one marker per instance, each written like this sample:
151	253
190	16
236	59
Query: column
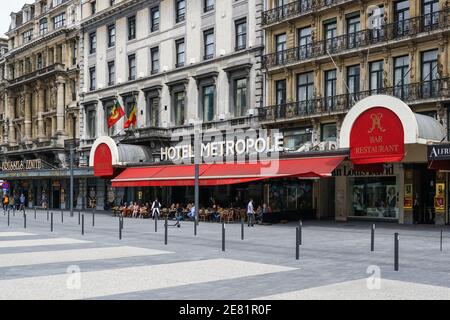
387	68
40	112
27	121
12	130
60	107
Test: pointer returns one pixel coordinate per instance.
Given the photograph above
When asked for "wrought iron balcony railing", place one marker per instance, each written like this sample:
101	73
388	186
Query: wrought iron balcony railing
410	93
294	9
394	31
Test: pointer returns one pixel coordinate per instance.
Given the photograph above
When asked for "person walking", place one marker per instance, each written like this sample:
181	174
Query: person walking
22	202
5	202
156	206
250	213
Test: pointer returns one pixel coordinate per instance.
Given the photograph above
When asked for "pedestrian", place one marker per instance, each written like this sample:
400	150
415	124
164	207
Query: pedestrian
250	213
22	202
5	202
191	213
156	206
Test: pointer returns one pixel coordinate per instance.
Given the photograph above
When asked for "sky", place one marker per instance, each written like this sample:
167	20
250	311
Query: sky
6	7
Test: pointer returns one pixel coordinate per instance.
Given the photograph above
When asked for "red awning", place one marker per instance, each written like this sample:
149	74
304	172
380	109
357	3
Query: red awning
227	173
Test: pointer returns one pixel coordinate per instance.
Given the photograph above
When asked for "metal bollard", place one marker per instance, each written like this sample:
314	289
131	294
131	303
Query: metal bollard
300	229
79	217
156	225
34	213
48	214
396	245
297	243
51	222
82	224
24	220
62	216
223	236
441	240
120	228
195	226
93	218
8	218
372	238
14	211
166	230
242	228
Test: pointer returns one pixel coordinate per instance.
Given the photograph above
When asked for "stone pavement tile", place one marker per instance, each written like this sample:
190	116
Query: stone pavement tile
359	290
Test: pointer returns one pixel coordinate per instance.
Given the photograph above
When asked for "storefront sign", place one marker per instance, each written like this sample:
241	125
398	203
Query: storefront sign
103	161
21	165
228	148
377	137
439	152
347	171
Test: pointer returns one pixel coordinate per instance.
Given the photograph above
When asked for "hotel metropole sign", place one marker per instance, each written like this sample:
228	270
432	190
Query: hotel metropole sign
22	165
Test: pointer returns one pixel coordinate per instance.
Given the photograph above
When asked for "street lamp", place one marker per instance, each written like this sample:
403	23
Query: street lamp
197	147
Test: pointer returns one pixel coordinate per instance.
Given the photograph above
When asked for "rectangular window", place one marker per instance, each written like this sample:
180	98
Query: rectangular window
179	45
374	197
208	5
208	103
208	40
111	73
328	132
108	109
305	92
240	97
429	75
132	28
93	7
401	77
43	26
304	42
132	67
241	34
152	119
353	28
111	36
154	16
180	9
330	36
92	79
353	83
430	15
154	53
294	139
27	36
376	77
92	43
330	89
280	47
59	21
91	116
401	18
280	92
39	61
178	111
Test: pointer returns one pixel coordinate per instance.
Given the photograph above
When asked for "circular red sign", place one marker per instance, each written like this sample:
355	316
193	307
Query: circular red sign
377	136
103	161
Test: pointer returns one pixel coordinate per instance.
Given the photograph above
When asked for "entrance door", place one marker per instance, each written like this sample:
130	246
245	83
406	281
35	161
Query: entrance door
56	198
425	185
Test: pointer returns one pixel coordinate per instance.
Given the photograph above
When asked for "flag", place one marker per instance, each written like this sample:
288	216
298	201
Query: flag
132	119
116	114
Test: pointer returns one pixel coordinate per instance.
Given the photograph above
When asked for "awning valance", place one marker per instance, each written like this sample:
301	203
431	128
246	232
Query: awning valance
227	173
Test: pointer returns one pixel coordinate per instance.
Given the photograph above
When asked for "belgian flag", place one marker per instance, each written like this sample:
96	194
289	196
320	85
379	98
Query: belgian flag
116	114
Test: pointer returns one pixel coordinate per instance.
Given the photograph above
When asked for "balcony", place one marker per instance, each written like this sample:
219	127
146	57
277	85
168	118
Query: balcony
404	29
414	93
46	71
295	9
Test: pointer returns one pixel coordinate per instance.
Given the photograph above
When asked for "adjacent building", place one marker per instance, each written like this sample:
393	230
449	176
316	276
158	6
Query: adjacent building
40	107
322	58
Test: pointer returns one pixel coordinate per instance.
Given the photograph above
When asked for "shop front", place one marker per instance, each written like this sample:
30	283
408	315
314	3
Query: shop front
386	176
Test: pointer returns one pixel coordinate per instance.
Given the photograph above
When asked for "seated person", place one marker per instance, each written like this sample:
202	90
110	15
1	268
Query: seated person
123	208
129	210
191	213
215	216
179	212
172	211
135	210
143	211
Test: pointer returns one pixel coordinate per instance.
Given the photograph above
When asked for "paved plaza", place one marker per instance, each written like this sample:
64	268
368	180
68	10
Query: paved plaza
335	260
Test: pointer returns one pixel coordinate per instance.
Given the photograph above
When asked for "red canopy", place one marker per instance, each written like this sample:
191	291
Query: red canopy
227	173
